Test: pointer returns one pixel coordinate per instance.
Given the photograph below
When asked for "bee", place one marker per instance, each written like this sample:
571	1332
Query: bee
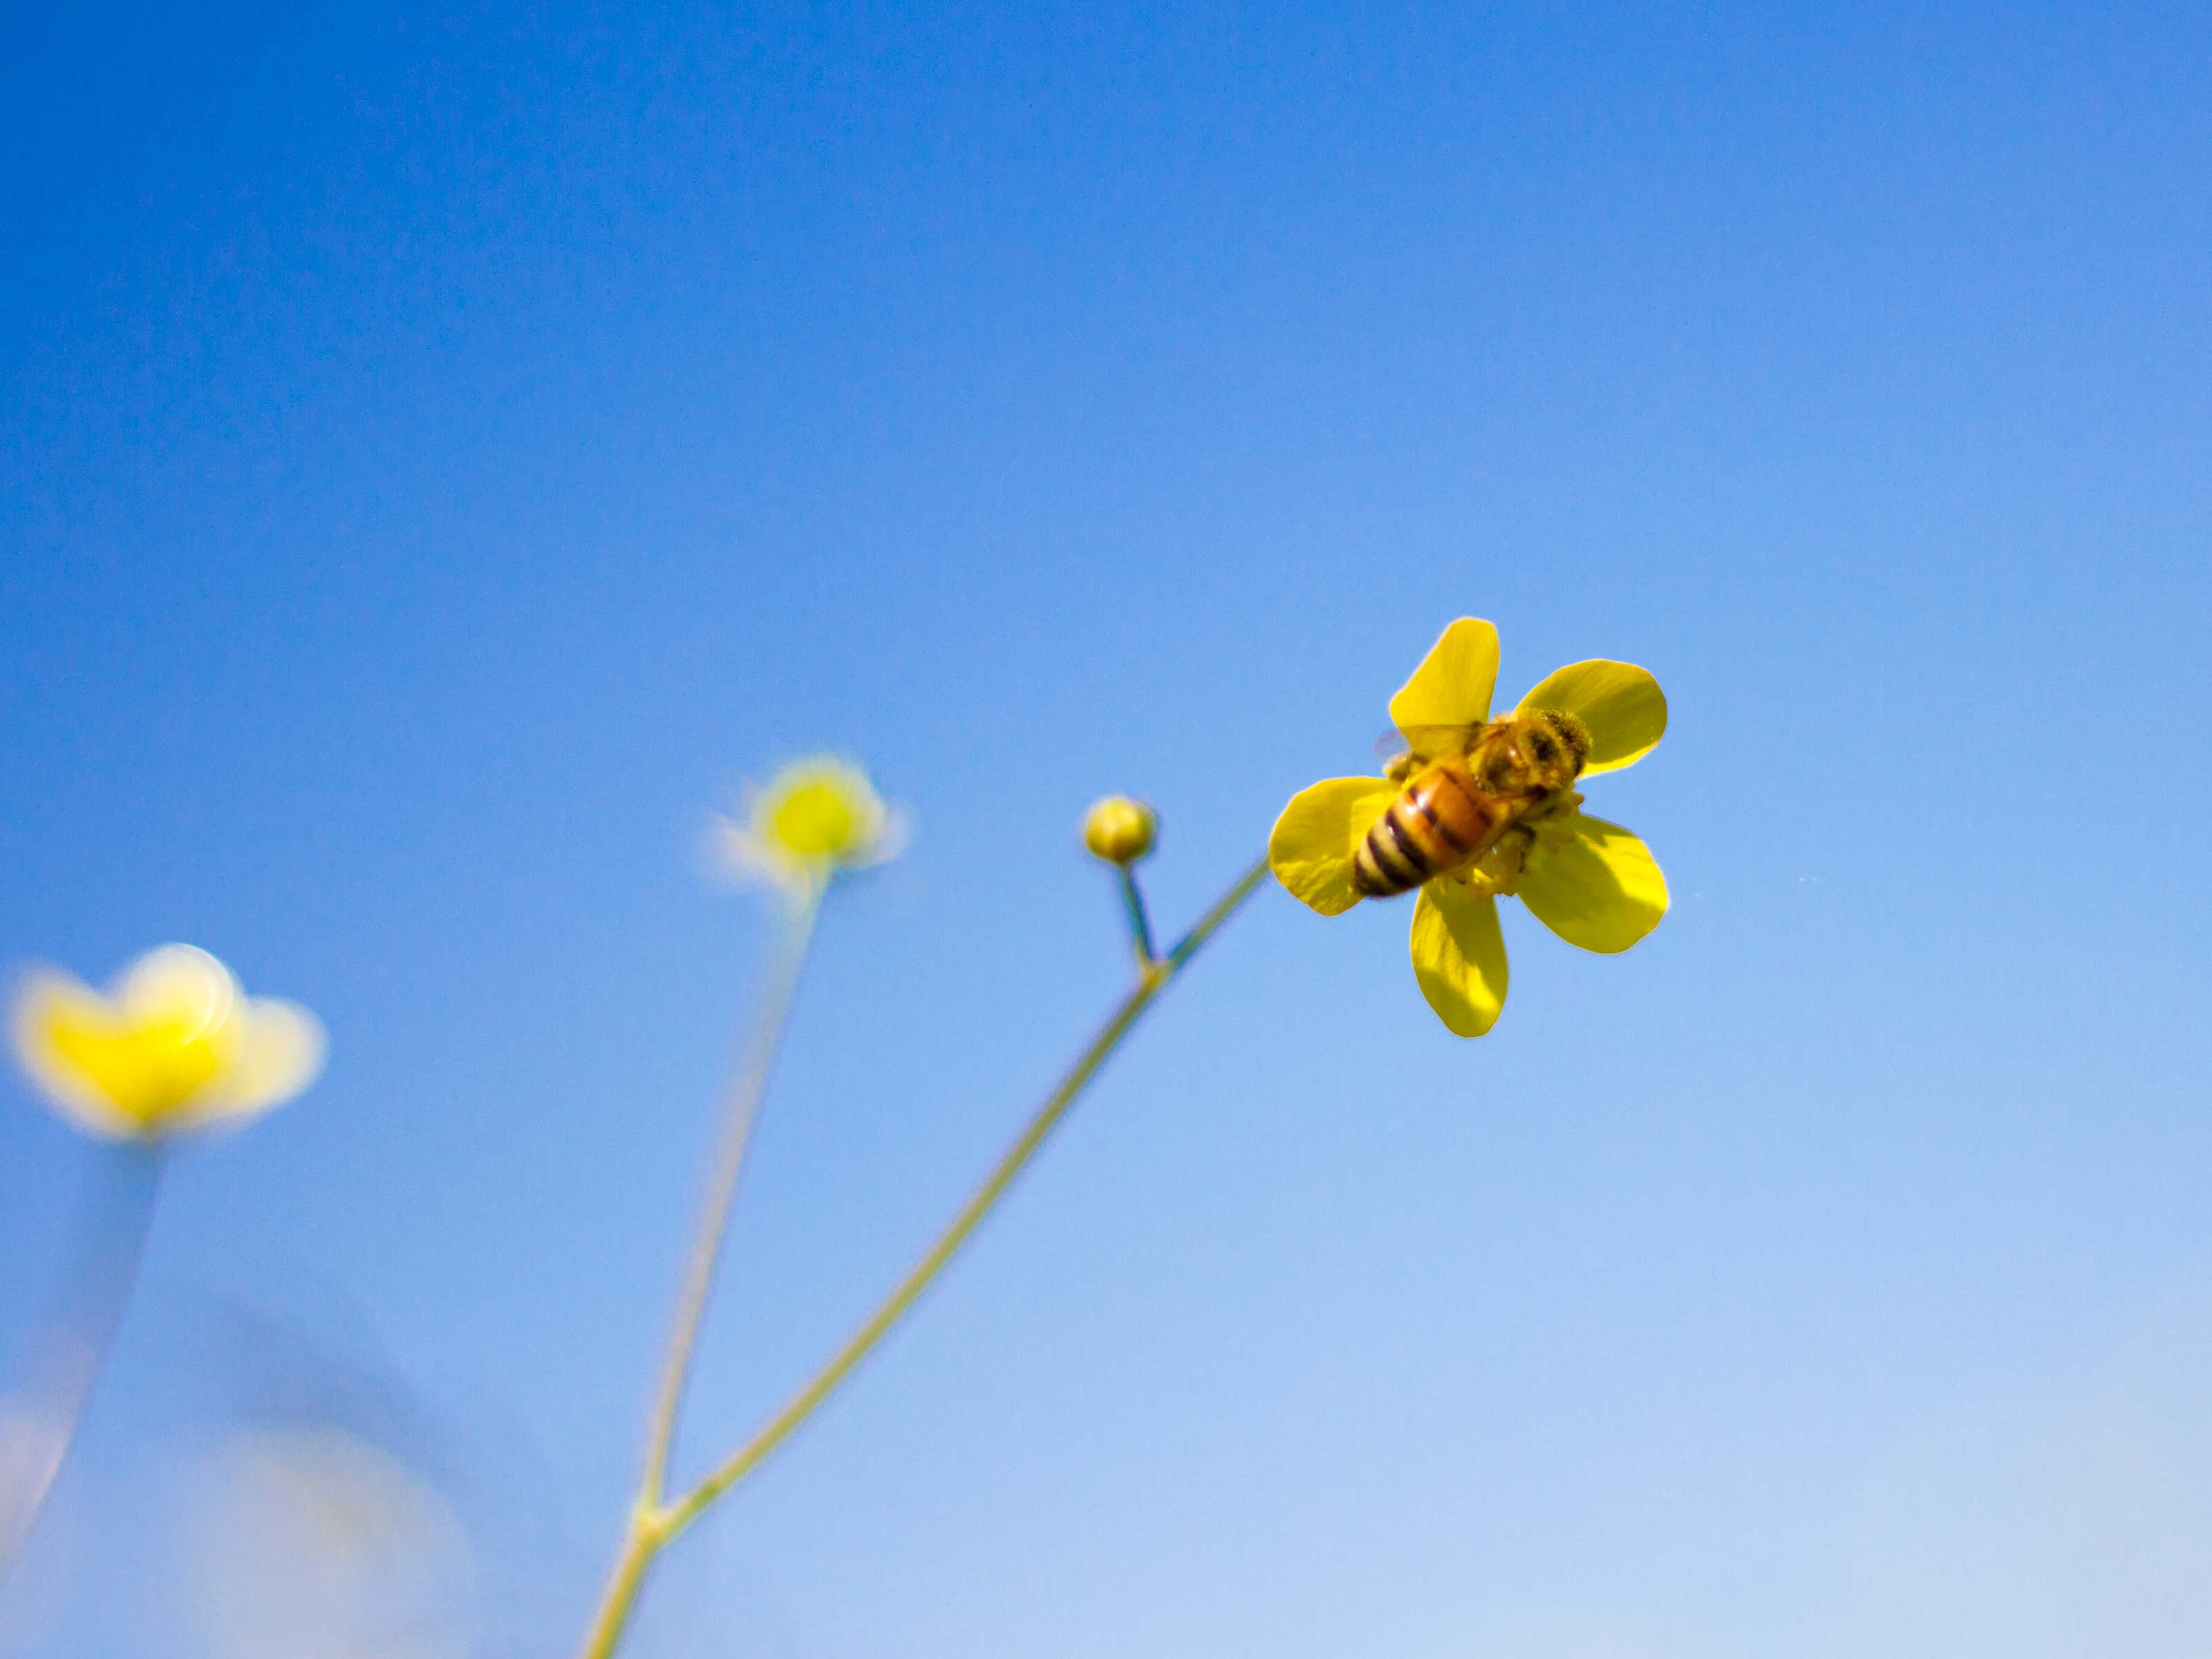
1464	788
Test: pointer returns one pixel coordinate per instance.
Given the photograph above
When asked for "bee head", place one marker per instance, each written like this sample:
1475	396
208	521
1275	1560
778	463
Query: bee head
1548	752
1560	739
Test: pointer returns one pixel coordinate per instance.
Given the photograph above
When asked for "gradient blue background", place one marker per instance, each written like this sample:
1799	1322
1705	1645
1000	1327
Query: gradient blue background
445	452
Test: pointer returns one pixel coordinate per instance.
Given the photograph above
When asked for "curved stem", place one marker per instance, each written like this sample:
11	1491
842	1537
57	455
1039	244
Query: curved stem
1151	981
78	1335
745	1100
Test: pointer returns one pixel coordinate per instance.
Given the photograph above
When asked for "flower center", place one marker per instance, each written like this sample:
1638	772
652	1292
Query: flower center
817	821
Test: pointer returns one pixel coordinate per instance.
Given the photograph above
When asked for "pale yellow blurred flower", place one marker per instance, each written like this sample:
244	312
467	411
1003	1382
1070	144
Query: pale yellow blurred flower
816	817
172	1046
309	1542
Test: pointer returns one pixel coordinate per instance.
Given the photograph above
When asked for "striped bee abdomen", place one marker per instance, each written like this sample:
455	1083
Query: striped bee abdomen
1438	822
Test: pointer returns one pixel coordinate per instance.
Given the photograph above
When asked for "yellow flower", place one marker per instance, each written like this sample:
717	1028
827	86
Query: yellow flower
816	818
1590	881
174	1045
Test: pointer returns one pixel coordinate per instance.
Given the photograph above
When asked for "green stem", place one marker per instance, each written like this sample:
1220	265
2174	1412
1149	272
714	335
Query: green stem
641	1544
1151	981
1141	924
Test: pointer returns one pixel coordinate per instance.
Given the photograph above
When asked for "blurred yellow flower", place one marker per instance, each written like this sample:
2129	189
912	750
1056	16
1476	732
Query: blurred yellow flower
174	1045
1477	809
816	818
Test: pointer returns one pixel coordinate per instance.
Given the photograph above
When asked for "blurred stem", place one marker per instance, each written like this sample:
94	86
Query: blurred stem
648	1530
743	1111
78	1334
1152	978
1141	924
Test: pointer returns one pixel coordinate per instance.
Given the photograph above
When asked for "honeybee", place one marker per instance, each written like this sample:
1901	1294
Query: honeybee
1464	788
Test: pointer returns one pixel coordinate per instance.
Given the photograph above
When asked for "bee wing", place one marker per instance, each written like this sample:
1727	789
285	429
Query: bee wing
1424	743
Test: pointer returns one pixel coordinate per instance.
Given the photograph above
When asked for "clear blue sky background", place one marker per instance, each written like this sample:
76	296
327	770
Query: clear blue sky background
445	453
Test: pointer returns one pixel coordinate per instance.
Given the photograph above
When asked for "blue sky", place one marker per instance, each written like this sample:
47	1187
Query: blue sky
448	453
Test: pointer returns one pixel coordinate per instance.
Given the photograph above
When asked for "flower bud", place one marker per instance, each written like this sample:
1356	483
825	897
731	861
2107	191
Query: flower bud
1119	830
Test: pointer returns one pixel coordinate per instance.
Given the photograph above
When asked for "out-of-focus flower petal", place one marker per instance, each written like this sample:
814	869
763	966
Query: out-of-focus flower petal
180	988
60	1030
310	1541
281	1055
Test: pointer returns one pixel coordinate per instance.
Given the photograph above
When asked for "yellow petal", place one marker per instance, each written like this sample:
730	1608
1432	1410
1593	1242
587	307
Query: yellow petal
1459	956
1452	684
1311	845
282	1054
1427	743
1602	889
178	989
54	1015
1621	704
